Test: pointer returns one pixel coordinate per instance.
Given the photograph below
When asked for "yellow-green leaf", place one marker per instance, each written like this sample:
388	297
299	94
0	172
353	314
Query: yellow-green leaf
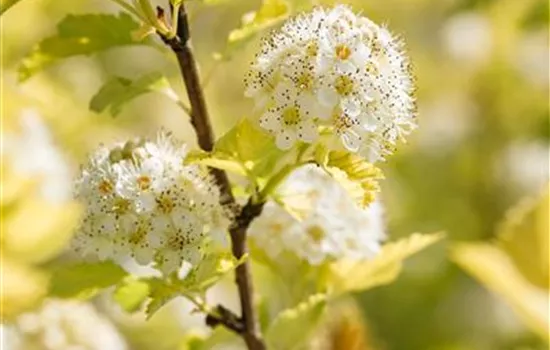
496	270
79	35
524	236
350	276
216	160
118	91
355	174
292	327
84	280
43	237
131	294
210	270
269	14
249	145
201	277
6	4
23	287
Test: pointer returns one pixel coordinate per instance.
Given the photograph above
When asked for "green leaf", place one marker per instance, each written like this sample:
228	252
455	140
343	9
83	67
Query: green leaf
269	14
79	35
6	4
524	236
219	338
351	276
292	327
131	294
161	292
82	280
359	177
201	277
249	145
210	271
496	270
216	160
119	91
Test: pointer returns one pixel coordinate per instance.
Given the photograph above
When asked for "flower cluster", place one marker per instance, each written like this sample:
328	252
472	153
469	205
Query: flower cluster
143	201
333	72
317	220
64	325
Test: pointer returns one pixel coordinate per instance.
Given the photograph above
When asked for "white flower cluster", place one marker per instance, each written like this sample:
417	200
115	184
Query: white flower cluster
333	72
317	220
143	201
64	325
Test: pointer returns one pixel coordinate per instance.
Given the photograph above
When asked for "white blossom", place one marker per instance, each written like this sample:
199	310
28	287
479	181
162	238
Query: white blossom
143	201
64	325
317	220
333	70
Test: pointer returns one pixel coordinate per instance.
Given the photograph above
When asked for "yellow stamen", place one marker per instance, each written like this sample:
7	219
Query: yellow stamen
291	116
316	233
105	187
343	85
343	52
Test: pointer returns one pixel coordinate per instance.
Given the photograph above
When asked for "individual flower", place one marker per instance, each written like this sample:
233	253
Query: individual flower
316	219
64	325
333	70
143	201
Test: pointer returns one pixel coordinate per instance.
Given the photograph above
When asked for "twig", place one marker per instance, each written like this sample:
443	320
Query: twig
201	123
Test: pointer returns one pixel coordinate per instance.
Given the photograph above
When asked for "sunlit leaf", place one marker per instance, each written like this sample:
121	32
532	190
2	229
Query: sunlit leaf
210	270
524	237
249	145
350	276
43	237
84	280
269	14
161	292
6	4
355	174
79	35
219	338
119	91
201	277
23	287
292	327
216	160
131	293
496	270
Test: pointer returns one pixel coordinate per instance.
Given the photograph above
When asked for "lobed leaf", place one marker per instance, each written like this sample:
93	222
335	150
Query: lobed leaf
292	327
351	276
5	5
524	236
131	293
496	270
245	150
79	35
210	271
270	13
156	292
118	91
84	280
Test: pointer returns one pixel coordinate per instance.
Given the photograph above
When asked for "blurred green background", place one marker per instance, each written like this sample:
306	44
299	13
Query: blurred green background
483	141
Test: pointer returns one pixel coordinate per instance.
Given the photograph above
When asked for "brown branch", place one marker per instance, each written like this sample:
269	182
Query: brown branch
201	123
226	318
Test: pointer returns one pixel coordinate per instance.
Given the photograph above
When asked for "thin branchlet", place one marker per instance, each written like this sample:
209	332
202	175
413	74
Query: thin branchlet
247	325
